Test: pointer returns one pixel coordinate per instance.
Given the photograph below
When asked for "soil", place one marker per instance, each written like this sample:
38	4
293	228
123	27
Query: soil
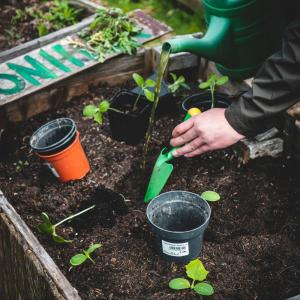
25	30
251	246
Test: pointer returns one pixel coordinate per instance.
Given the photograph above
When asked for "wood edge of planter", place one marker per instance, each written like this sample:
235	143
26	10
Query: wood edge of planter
27	264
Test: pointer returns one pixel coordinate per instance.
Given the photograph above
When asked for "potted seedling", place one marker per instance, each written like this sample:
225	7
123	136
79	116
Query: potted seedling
196	271
128	112
209	98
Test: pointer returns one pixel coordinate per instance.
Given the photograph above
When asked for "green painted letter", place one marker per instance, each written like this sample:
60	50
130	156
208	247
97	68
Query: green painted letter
67	55
18	82
54	61
27	73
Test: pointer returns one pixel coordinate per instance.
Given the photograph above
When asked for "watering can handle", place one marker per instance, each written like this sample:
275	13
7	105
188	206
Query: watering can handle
191	113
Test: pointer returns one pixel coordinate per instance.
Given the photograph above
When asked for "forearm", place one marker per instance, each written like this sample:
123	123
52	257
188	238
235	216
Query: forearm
275	88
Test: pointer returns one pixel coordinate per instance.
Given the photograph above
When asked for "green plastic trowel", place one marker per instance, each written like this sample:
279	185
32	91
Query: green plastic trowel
162	169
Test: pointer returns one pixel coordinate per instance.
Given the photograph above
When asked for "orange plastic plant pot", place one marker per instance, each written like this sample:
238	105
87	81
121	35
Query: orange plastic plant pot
70	163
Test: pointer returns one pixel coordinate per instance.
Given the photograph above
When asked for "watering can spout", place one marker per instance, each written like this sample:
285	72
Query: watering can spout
214	45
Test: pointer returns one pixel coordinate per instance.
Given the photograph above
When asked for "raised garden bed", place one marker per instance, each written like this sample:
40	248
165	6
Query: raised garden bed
250	246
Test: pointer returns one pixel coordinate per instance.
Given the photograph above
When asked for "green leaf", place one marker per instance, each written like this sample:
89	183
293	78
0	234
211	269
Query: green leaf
46	227
179	284
59	239
78	259
149	95
222	80
90	110
174	77
139	80
92	248
98	117
204	85
204	289
150	83
196	270
104	106
210	196
186	86
212	77
42	29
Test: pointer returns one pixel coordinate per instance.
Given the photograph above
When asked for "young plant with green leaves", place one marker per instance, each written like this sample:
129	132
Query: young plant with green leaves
50	229
196	271
96	112
20	165
211	84
80	258
112	31
144	86
178	83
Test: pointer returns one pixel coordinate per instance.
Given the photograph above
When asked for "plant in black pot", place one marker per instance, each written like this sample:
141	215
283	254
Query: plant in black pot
128	112
209	98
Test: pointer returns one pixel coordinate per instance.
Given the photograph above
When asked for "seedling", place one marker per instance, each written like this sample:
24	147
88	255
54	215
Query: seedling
144	86
96	112
210	196
197	272
211	84
80	258
178	82
20	165
50	229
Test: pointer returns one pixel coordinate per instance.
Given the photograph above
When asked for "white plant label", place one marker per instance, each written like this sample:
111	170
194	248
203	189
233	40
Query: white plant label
178	249
52	170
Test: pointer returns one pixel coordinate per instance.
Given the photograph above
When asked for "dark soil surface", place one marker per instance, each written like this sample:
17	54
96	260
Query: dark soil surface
251	247
13	33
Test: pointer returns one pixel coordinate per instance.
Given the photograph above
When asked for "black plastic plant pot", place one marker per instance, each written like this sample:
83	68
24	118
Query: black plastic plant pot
54	136
178	220
126	125
203	101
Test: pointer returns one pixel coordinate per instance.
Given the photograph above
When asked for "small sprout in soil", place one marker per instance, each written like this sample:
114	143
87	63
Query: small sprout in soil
178	83
211	83
210	196
20	165
197	272
96	112
50	229
80	258
144	85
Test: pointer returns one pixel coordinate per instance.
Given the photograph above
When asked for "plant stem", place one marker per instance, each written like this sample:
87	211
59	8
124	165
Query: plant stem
136	101
74	216
116	110
212	91
192	285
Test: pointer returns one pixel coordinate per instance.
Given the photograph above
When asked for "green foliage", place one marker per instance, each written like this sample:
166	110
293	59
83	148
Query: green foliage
59	14
210	196
197	272
50	229
112	31
20	165
178	82
80	258
211	84
144	86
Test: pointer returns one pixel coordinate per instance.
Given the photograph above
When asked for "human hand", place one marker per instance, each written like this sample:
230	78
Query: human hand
204	132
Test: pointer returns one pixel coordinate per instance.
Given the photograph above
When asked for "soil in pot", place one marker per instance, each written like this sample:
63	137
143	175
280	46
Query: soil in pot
251	246
129	126
19	23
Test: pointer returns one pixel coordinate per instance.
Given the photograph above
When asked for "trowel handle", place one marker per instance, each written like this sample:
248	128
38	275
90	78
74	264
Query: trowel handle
191	113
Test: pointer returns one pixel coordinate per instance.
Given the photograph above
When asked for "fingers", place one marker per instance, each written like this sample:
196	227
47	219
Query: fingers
182	128
189	147
204	148
188	136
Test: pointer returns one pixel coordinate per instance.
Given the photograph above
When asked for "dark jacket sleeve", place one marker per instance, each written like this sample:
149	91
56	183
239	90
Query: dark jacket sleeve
275	88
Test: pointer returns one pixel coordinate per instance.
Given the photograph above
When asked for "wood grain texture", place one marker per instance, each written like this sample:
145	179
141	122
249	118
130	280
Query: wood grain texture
27	271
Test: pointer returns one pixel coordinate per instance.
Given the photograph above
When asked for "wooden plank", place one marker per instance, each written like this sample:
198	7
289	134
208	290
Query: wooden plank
27	271
72	59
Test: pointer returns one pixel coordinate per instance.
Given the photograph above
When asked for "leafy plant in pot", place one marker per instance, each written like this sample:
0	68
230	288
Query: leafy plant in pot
128	112
209	98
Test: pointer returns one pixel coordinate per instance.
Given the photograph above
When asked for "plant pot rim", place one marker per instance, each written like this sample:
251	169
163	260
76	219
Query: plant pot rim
57	144
129	92
62	152
179	232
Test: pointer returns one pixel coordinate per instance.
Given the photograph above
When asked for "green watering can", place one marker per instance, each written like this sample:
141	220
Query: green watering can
162	168
240	35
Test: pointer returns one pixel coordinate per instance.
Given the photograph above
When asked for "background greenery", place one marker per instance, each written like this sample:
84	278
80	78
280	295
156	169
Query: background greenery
181	20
